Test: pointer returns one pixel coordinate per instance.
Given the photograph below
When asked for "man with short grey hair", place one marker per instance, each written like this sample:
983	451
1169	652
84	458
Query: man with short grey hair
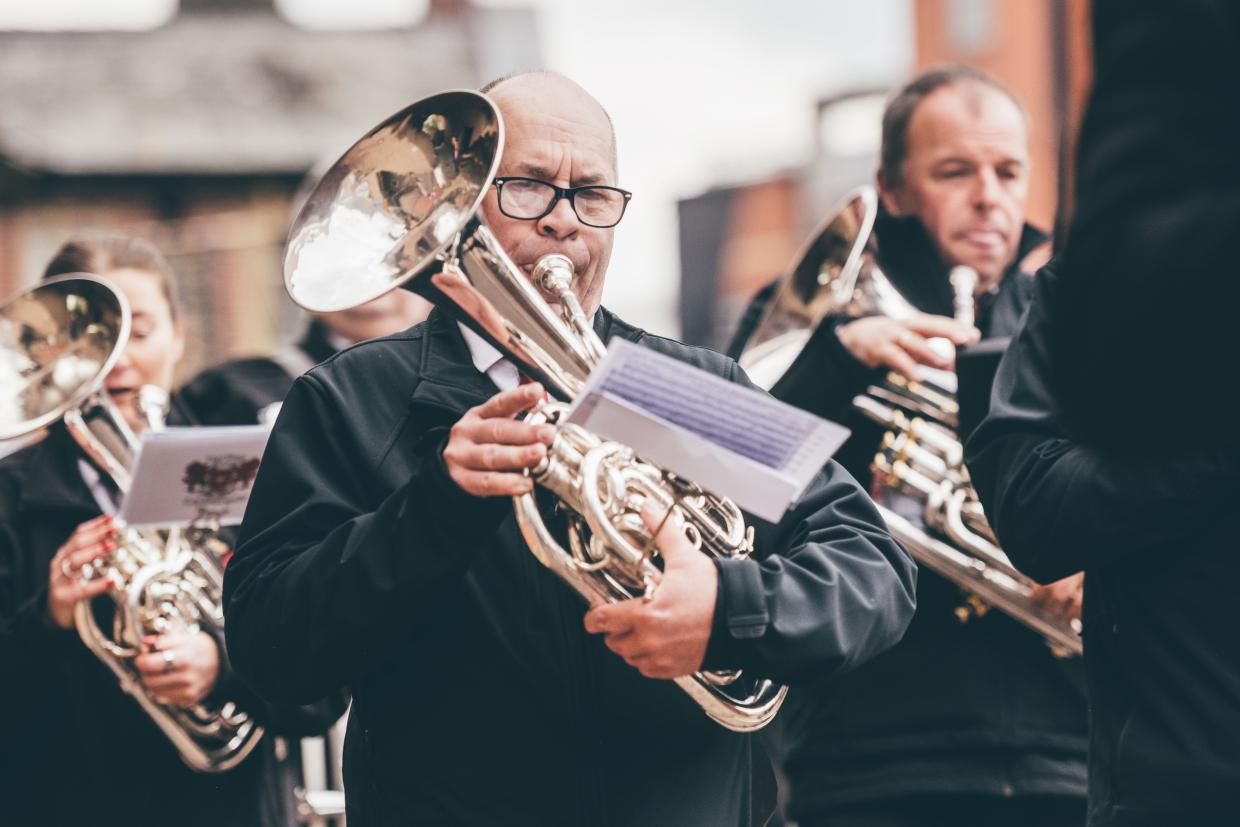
973	723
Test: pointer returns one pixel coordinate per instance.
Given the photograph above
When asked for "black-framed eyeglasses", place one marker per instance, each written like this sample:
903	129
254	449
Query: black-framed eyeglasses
529	199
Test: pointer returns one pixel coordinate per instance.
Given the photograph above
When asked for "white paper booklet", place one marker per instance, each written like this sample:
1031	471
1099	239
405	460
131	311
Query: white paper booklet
733	441
187	475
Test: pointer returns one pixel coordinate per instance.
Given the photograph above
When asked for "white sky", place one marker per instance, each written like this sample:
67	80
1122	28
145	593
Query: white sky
707	92
702	92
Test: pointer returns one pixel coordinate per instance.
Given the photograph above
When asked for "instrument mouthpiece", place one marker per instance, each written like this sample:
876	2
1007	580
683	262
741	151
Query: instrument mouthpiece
553	273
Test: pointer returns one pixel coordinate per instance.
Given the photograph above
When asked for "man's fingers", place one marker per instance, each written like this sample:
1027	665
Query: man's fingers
931	326
510	403
897	359
491	457
165	682
670	539
151	663
628	647
493	483
511	432
919	349
612	618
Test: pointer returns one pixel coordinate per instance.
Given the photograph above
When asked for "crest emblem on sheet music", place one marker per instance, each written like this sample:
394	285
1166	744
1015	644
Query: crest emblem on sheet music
188	476
217	477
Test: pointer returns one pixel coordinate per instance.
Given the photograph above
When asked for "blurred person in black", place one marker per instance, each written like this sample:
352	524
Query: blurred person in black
973	723
381	519
76	748
1102	450
243	391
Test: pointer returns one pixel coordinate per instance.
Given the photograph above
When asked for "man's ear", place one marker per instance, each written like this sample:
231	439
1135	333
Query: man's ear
888	193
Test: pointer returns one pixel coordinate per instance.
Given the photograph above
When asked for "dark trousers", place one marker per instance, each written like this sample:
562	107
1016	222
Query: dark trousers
955	811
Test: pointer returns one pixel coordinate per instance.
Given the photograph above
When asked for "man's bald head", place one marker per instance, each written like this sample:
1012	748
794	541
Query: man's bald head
535	87
557	133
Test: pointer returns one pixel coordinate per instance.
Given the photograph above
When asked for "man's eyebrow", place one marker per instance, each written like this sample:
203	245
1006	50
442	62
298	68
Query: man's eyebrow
542	173
590	178
534	171
960	159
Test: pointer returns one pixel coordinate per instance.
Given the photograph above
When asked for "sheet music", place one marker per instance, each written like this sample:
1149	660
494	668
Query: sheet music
186	474
733	441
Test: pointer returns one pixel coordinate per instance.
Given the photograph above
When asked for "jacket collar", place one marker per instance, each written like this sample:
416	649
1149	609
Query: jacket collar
447	377
908	256
54	481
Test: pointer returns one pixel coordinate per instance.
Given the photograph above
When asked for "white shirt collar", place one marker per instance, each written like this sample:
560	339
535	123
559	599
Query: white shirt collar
94	481
483	353
487	358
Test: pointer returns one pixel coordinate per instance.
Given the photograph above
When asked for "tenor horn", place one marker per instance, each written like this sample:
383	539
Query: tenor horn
837	275
58	342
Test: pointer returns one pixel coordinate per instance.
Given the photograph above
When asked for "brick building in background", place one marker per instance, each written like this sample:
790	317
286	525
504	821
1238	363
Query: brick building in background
197	134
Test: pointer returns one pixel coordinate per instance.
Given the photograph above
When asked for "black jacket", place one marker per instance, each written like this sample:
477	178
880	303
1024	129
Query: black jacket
977	708
1152	528
234	392
1150	262
1104	450
478	697
74	749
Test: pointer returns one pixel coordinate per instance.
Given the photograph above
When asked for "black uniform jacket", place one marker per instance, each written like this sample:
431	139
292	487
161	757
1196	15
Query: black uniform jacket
1151	261
478	697
981	707
234	392
74	749
1104	449
1153	530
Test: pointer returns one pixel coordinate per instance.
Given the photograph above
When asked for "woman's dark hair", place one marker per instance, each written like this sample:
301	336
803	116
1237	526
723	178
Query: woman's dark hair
101	253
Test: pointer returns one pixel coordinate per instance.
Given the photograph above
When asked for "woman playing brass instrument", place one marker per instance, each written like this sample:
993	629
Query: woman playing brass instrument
76	748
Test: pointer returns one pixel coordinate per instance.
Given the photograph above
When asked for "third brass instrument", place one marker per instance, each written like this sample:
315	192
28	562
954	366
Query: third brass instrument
837	274
400	208
58	342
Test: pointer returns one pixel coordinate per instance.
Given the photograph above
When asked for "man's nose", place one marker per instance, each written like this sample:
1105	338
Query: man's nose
986	189
561	222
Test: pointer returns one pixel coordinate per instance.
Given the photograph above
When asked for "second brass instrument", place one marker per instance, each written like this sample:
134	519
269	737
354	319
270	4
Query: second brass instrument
837	275
58	341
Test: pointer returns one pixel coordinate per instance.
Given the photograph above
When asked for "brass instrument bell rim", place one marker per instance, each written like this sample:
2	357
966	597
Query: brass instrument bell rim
867	196
311	204
762	346
90	387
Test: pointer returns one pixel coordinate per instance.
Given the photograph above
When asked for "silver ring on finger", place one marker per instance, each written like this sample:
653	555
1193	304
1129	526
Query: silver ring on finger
170	659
